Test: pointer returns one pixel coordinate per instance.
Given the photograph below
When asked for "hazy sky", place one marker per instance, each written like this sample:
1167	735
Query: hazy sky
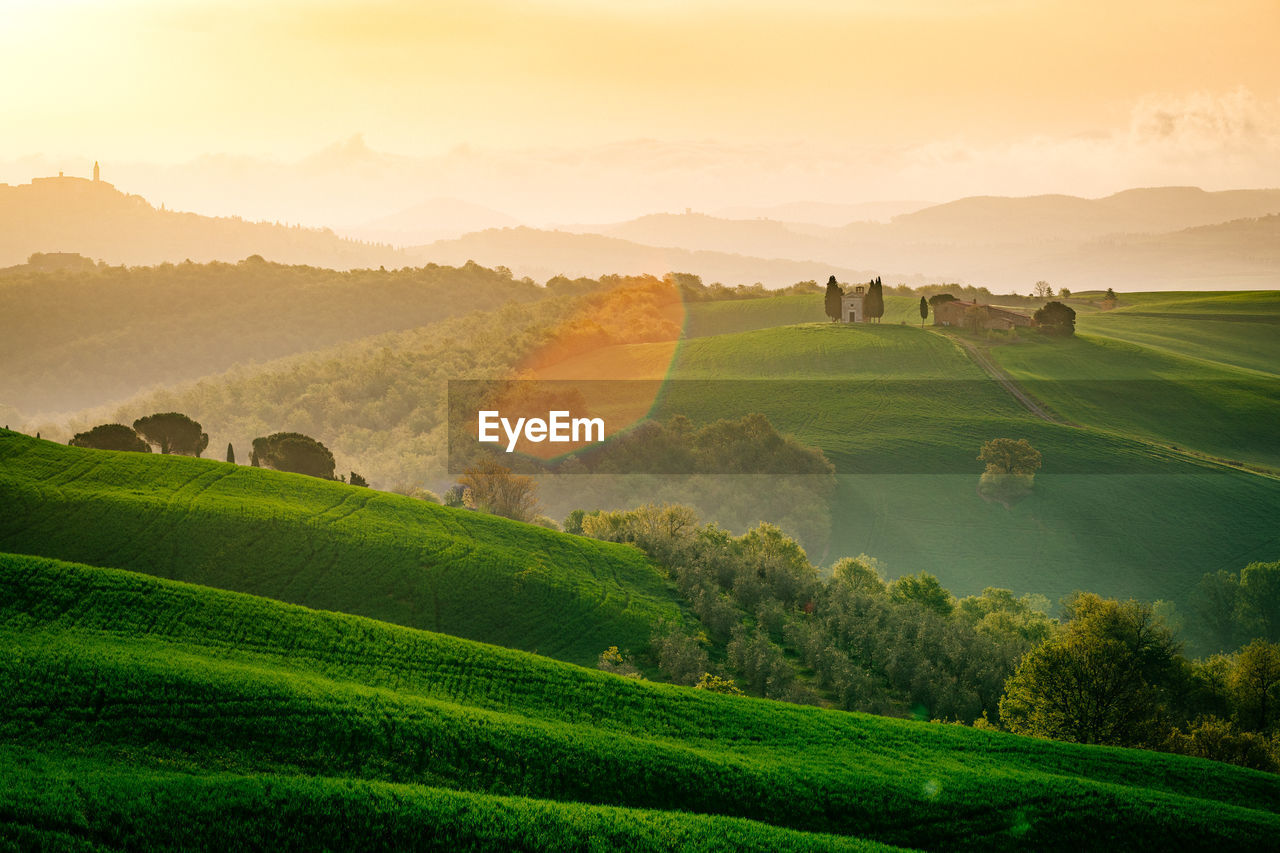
733	102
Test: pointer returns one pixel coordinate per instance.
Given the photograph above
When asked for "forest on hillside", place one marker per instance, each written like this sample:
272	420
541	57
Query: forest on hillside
75	338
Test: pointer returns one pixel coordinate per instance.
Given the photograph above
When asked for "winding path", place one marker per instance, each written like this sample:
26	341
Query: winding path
1028	402
984	361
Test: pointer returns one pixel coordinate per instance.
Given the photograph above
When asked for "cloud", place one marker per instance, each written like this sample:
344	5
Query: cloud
1204	122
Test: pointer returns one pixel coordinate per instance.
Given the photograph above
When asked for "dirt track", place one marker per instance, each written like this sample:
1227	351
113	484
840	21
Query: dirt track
992	370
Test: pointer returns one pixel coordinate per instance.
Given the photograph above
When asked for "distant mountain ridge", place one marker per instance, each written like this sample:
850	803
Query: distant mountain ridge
433	219
995	219
1136	239
542	254
93	218
828	214
1131	240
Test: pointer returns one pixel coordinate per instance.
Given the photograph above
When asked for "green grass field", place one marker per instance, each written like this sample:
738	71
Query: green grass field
1198	371
902	413
138	712
330	546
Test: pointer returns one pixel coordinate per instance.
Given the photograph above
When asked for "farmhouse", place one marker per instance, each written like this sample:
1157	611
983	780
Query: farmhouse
960	313
851	305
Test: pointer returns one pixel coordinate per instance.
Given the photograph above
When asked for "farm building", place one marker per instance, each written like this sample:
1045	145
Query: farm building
959	313
851	305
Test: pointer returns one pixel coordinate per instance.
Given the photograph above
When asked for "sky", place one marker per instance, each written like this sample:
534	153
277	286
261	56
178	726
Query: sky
329	112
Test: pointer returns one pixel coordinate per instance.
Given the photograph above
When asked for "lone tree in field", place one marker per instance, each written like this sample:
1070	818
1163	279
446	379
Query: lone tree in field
111	437
231	453
489	487
294	452
1010	456
833	297
1056	319
1105	678
173	432
924	311
1011	469
1043	290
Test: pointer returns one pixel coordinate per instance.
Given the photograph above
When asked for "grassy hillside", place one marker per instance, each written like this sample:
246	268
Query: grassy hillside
1196	370
1232	329
168	715
902	413
330	546
1150	391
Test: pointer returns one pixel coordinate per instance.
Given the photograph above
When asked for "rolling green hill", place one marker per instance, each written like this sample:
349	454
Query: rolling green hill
902	413
144	713
328	545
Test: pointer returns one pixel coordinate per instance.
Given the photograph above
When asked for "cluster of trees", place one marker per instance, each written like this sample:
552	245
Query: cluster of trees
1107	671
631	310
746	445
176	433
1057	319
1113	673
1232	607
167	432
873	303
778	628
775	476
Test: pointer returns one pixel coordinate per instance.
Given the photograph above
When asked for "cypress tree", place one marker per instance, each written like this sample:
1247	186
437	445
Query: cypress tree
873	305
231	453
924	311
833	299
